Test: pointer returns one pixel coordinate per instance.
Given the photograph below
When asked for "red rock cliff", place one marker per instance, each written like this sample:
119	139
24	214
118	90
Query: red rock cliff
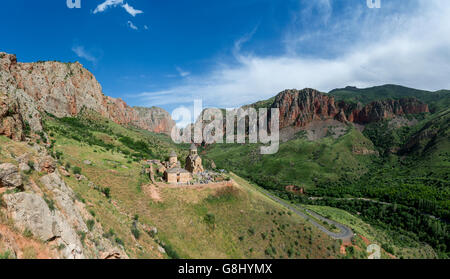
64	89
299	108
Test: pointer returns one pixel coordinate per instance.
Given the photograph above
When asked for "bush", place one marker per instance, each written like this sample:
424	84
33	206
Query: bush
5	256
76	170
107	192
109	234
31	164
92	212
119	241
171	252
136	233
82	236
90	224
50	203
210	219
27	233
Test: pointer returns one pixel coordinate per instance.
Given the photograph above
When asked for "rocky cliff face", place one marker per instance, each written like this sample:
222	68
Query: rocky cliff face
64	90
299	108
155	117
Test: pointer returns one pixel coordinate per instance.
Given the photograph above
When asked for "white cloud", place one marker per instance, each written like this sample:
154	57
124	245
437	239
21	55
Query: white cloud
82	53
132	11
132	26
114	3
182	72
105	5
410	48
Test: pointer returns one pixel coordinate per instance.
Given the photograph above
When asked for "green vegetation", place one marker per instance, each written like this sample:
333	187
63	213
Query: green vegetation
402	189
5	256
298	162
90	224
437	100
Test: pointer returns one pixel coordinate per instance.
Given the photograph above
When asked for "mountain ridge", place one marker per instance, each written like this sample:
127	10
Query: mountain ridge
64	90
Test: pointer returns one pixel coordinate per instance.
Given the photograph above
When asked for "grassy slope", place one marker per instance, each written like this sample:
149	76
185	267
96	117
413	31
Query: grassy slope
240	221
299	162
400	246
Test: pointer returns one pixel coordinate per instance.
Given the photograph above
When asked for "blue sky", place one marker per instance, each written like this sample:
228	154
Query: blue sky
229	53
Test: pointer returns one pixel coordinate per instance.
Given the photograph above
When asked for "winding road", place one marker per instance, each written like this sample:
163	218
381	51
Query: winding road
345	234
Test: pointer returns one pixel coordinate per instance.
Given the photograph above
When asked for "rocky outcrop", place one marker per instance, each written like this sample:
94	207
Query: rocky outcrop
155	117
10	176
63	90
54	216
11	124
31	212
299	108
385	109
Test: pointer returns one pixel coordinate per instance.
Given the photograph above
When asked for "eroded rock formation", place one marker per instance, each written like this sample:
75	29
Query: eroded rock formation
64	90
299	108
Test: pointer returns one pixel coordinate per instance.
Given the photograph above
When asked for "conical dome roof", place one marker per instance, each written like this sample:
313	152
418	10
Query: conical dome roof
193	147
173	154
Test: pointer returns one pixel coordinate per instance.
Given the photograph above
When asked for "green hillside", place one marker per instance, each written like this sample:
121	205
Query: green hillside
437	100
205	222
298	162
395	177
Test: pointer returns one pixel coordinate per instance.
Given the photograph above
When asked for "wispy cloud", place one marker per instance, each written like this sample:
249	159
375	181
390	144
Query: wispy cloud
132	26
81	52
132	11
401	43
114	3
182	72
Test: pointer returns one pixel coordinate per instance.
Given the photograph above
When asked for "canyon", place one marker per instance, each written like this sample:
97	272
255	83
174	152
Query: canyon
63	90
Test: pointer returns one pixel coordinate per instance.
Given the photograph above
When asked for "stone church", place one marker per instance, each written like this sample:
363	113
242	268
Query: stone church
174	174
193	161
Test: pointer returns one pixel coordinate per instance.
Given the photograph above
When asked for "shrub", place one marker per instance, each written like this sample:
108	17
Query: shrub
5	256
90	224
92	212
107	192
119	241
136	233
80	198
31	164
210	219
50	203
76	170
109	234
171	252
82	236
27	233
